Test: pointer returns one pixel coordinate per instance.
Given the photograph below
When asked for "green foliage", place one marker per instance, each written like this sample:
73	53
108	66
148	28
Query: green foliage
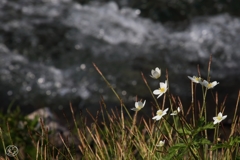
14	128
201	128
31	140
177	150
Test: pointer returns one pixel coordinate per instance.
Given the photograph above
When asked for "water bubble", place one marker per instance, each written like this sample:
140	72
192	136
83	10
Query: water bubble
134	83
41	80
10	67
58	84
78	46
9	93
48	92
74	90
124	93
28	88
137	11
83	66
60	107
30	75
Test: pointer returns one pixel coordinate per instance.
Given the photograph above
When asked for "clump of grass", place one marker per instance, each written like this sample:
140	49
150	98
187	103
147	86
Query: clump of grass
33	143
171	135
119	134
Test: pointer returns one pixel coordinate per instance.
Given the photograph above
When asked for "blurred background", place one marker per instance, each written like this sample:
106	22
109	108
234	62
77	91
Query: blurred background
47	48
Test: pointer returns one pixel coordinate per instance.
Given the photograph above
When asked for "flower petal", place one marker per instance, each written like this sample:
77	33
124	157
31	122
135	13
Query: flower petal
144	103
158	70
136	104
157	117
156	92
178	109
219	114
224	117
134	109
160	95
165	111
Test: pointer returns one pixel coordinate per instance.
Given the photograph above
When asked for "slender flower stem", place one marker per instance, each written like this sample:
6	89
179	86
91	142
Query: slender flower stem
204	106
68	150
133	125
145	81
1	137
110	86
234	117
193	90
186	141
216	138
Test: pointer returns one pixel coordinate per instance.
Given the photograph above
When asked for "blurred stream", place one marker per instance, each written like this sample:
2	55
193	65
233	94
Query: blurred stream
47	49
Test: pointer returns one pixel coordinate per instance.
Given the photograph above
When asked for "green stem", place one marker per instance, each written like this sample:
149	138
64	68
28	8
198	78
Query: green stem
4	147
216	138
145	81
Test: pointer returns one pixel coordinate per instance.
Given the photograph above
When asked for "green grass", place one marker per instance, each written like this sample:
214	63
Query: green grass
122	134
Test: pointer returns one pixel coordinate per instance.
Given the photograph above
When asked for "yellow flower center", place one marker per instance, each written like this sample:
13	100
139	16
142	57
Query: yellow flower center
219	118
160	112
162	89
209	85
155	74
175	112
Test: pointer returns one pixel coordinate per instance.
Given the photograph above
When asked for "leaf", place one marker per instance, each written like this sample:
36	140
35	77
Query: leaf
233	141
217	146
178	150
230	143
184	131
203	128
177	146
236	139
201	141
209	125
204	141
200	122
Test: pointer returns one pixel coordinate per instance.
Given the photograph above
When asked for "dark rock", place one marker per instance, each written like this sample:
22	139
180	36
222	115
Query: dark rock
52	124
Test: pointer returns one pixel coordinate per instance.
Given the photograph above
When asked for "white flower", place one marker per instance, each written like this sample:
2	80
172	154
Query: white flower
138	105
195	79
219	118
163	88
175	112
209	85
155	73
160	113
161	143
